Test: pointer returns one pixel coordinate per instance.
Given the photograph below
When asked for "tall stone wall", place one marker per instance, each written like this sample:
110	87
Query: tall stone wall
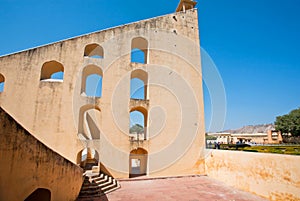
26	165
55	112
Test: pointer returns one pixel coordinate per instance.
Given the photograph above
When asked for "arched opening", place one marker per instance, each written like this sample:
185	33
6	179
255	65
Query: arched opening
139	50
138	123
88	158
138	161
137	89
52	71
91	84
94	51
57	76
40	194
89	122
139	84
138	56
2	81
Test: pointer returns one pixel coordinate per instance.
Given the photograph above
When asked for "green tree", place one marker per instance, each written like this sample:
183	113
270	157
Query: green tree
289	123
137	128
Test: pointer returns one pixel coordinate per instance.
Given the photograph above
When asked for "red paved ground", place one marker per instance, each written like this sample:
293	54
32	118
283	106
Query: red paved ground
195	188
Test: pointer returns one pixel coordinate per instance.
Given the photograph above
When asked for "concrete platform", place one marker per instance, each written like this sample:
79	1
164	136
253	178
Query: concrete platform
192	188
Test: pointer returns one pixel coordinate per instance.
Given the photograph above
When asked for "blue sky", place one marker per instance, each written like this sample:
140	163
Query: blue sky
254	43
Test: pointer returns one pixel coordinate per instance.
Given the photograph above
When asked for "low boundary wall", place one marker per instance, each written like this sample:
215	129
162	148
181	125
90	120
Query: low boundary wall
273	176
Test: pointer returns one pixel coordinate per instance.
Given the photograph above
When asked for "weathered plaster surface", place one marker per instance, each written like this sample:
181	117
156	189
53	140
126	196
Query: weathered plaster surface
52	111
26	164
273	176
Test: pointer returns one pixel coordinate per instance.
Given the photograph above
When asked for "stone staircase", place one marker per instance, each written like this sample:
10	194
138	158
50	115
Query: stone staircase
96	185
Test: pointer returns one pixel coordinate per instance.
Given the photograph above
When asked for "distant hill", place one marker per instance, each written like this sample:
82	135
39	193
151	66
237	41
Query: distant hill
263	128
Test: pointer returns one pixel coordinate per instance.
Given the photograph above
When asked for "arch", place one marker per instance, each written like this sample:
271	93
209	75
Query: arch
40	194
87	158
139	50
94	50
89	119
91	82
137	125
137	89
144	112
139	84
139	151
2	82
138	162
52	70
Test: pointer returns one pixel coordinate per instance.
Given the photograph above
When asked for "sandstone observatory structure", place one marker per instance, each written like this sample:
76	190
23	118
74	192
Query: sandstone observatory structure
46	91
65	118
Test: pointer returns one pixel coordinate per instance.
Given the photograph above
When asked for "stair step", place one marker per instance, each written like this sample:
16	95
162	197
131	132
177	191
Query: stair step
91	194
91	191
89	184
113	189
97	185
94	193
90	187
106	188
107	182
101	180
98	176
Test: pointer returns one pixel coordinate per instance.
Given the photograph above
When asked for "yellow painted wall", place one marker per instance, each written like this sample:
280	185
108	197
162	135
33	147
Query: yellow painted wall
273	176
51	111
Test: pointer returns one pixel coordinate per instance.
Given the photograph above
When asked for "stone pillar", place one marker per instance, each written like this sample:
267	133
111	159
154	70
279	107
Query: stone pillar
270	140
279	138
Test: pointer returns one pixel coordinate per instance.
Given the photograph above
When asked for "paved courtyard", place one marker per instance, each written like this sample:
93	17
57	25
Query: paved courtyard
193	188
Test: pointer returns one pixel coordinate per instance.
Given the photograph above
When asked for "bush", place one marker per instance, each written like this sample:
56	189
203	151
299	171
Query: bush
292	150
291	140
210	137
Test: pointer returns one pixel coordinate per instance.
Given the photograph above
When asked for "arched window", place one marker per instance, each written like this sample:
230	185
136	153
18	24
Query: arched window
139	50
87	158
137	56
57	76
137	89
52	71
138	122
138	84
92	81
40	194
94	51
2	81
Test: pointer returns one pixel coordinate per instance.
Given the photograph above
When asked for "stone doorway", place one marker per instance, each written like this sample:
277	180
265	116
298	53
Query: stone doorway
138	162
